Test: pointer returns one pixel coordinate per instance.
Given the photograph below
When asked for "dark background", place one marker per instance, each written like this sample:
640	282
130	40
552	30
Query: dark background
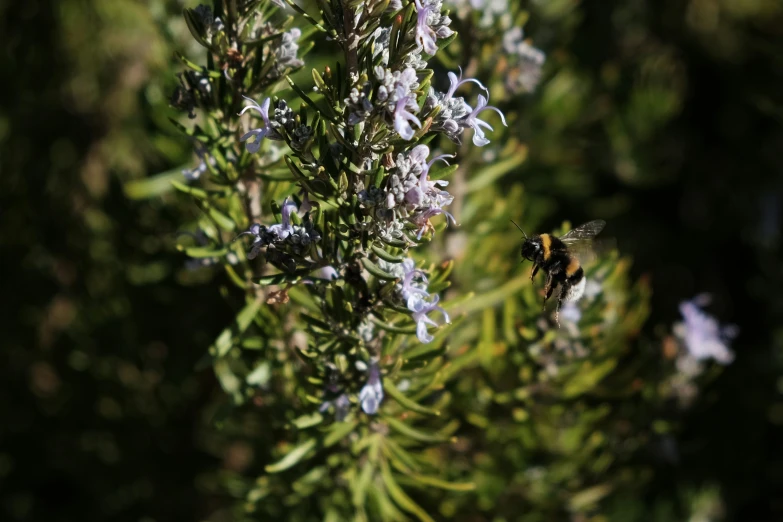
674	135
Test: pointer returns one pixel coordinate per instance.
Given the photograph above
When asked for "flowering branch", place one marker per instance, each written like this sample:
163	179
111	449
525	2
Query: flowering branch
322	198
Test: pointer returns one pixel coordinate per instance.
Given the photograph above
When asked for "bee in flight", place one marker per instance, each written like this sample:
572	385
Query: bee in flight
558	257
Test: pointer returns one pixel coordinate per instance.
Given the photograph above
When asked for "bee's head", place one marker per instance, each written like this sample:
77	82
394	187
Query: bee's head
530	248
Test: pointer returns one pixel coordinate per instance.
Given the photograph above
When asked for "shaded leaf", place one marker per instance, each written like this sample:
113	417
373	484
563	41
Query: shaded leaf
292	458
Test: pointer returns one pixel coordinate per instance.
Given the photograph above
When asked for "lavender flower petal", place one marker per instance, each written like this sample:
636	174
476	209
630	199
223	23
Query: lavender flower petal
260	133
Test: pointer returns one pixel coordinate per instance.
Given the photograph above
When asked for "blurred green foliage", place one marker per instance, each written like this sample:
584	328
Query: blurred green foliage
661	117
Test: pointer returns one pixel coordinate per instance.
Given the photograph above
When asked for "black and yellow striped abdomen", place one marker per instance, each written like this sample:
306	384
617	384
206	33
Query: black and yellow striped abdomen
546	246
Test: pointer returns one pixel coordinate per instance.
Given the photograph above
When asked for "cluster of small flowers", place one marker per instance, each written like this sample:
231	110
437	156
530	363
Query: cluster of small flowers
455	115
283	236
409	194
431	25
703	338
286	52
526	62
407	199
702	334
394	95
284	48
491	10
412	289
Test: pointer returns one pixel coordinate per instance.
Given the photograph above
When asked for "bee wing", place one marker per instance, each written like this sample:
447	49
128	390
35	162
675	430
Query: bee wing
587	231
587	251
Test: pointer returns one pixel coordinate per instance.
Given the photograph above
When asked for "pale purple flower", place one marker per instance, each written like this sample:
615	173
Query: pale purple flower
420	308
413	290
285	228
427	190
298	239
287	48
425	36
418	156
525	59
454	115
396	94
415	60
455	82
371	394
395	84
260	133
408	287
422	220
703	336
403	117
430	25
263	237
531	62
409	193
429	198
478	125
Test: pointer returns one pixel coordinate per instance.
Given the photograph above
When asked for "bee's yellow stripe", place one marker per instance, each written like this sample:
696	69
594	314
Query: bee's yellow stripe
546	244
572	267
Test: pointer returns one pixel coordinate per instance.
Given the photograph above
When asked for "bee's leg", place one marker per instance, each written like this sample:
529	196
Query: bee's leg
560	298
534	271
548	288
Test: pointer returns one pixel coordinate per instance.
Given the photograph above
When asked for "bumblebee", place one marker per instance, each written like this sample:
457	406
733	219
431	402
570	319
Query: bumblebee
558	257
